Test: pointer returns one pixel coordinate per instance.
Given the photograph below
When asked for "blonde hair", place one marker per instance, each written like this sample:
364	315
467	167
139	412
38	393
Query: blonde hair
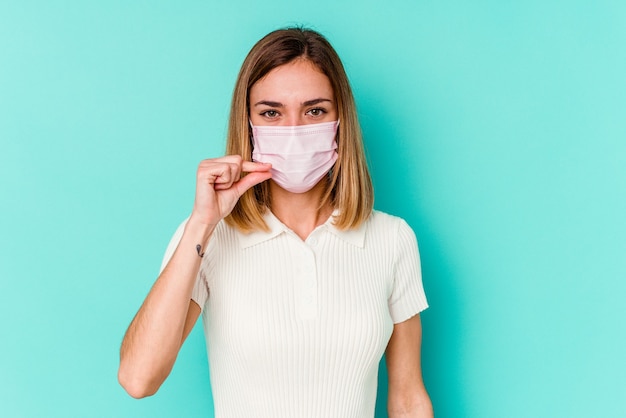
349	185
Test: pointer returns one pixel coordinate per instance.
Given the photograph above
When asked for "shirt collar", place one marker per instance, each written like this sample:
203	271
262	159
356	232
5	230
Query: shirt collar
355	237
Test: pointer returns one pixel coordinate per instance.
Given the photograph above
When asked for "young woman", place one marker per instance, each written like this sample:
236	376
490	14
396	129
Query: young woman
302	286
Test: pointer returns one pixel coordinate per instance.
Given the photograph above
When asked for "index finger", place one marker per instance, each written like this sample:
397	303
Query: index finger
251	166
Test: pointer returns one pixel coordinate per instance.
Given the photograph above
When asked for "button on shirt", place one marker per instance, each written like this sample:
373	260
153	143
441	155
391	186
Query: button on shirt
297	328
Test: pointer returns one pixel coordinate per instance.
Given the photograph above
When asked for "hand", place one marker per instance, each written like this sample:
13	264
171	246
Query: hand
219	186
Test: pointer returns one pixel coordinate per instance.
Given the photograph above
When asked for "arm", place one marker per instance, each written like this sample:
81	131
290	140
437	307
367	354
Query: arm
167	315
163	322
407	396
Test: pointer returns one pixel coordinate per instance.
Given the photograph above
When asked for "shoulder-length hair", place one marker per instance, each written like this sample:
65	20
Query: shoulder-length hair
349	185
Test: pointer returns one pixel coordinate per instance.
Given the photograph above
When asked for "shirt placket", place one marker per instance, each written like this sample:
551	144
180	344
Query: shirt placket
306	282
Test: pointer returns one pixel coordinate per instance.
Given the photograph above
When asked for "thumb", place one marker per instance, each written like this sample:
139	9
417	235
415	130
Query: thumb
250	180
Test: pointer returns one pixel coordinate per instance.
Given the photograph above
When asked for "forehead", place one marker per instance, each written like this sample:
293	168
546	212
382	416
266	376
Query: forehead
299	80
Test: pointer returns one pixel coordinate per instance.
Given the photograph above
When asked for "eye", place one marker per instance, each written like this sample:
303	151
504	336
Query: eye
270	114
317	112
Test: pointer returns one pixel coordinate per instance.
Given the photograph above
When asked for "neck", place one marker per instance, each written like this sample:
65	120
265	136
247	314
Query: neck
300	212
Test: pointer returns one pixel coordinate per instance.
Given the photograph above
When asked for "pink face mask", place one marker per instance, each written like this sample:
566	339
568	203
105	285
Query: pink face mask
300	155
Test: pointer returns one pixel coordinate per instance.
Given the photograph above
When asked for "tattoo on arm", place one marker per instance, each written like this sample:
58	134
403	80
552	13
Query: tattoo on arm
199	249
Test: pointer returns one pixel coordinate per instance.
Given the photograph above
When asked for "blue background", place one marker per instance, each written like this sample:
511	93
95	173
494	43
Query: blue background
497	129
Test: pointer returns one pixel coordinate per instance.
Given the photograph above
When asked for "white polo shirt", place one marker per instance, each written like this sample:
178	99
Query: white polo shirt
297	328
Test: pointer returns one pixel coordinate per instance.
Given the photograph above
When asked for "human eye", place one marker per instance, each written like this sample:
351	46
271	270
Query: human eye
270	114
317	112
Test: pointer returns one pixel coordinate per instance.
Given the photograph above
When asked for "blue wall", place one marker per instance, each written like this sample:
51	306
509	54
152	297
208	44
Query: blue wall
497	129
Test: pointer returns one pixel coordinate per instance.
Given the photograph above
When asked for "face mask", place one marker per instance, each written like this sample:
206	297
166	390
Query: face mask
300	155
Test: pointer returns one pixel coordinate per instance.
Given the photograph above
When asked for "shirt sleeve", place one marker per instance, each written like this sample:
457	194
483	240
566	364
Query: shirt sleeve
171	247
407	297
200	292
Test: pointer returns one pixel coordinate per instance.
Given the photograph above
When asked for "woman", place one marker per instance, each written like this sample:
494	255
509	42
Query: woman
302	286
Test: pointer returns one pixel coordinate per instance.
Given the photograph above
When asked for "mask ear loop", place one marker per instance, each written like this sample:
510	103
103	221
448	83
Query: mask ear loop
251	137
331	171
261	191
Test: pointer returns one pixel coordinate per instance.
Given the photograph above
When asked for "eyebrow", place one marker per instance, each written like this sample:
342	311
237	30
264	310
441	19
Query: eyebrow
278	104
